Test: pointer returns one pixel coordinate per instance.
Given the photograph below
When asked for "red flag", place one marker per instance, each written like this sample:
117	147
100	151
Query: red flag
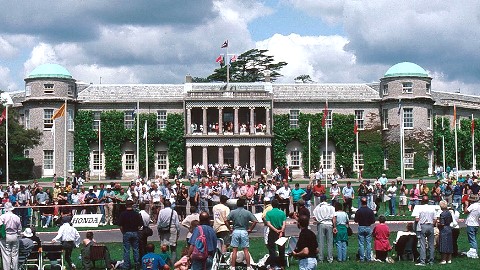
355	127
219	59
233	59
225	44
325	114
473	125
4	115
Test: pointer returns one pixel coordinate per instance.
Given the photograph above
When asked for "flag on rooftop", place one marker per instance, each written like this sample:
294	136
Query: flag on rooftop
225	44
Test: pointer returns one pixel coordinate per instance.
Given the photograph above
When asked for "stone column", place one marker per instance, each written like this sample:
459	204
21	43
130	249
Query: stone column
268	158
189	121
236	156
252	159
205	126
205	157
252	120
235	120
220	120
267	120
220	155
188	160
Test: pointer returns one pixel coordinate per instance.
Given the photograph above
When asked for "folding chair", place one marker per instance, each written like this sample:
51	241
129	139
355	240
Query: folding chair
98	253
290	246
52	252
34	259
220	259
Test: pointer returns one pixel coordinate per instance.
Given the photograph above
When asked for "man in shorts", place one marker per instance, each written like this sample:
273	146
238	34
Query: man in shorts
220	224
240	219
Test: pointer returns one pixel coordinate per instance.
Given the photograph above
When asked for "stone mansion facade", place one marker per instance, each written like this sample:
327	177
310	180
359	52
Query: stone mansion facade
227	124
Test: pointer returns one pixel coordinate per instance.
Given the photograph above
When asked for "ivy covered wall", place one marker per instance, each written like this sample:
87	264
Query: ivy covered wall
114	135
341	134
464	142
371	145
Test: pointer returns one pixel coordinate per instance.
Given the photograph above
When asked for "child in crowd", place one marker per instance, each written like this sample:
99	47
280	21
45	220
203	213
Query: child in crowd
184	262
165	255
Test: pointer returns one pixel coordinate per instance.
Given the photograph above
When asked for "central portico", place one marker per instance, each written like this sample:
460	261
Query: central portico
228	124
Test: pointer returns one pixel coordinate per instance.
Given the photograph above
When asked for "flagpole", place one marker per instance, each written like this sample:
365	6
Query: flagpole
443	145
402	144
138	139
326	142
456	142
474	160
228	65
356	148
100	148
65	145
146	149
6	144
54	148
309	148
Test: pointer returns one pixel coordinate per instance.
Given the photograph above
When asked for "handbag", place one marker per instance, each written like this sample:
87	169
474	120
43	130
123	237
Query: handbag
166	229
147	231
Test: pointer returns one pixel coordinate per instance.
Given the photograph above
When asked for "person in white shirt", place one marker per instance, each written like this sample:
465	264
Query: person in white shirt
70	238
334	192
392	195
472	223
269	191
324	215
284	194
9	246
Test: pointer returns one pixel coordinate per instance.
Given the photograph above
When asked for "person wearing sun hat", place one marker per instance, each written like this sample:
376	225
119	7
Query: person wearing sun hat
9	245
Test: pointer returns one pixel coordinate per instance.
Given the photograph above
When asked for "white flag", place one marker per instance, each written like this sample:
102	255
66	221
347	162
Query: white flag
145	133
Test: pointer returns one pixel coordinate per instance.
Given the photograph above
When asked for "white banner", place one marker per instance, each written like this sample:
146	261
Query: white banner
88	220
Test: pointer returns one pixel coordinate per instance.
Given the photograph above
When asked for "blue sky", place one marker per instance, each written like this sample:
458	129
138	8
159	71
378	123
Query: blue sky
334	41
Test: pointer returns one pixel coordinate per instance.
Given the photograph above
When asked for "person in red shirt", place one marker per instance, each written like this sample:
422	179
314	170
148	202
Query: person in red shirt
319	192
381	233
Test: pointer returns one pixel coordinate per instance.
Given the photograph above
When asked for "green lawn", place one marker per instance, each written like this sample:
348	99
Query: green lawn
258	250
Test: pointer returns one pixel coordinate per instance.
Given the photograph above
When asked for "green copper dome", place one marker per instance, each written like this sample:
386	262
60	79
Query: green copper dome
406	69
50	71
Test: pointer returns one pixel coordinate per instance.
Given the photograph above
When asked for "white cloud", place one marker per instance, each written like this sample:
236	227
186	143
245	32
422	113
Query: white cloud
41	54
322	57
6	82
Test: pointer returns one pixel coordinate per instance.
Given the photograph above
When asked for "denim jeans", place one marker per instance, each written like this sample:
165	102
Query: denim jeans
200	265
393	204
325	233
365	243
472	236
427	234
458	200
203	205
307	264
130	240
46	220
341	251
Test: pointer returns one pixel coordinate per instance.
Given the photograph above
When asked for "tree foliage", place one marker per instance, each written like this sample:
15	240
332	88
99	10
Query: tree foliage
19	140
251	66
304	78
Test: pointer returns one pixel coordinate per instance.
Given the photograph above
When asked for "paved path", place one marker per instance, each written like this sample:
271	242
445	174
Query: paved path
114	235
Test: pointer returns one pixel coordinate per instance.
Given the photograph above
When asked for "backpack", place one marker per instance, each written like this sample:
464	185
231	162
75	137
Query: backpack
200	249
